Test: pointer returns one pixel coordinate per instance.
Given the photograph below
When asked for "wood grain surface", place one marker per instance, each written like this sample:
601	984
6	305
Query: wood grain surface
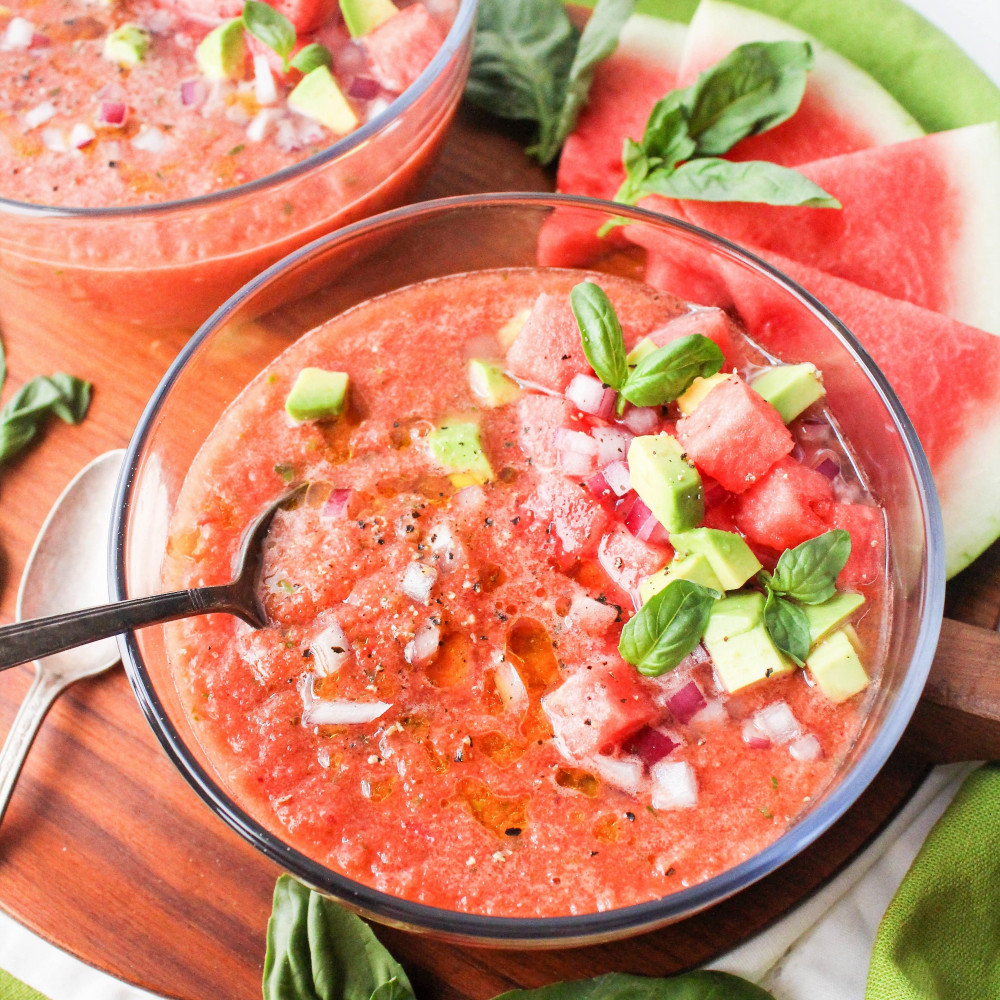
108	853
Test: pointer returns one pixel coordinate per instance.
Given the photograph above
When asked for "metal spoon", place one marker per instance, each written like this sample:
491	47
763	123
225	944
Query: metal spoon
27	640
66	568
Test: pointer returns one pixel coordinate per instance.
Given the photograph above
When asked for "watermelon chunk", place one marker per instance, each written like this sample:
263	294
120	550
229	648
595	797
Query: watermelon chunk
572	513
789	505
548	350
539	418
946	374
866	525
596	709
734	435
920	221
401	47
306	15
843	108
711	323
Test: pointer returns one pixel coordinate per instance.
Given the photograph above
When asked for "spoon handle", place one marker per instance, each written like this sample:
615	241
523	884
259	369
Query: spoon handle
40	637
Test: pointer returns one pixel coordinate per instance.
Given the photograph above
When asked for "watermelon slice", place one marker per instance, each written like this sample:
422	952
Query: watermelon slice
843	109
946	374
920	221
401	47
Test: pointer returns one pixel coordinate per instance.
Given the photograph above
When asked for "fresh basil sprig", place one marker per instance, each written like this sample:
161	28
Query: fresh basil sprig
310	57
60	395
805	574
704	984
317	950
756	87
530	63
667	627
271	27
661	376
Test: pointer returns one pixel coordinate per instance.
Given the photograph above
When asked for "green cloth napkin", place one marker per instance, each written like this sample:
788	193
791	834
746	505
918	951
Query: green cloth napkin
940	937
14	989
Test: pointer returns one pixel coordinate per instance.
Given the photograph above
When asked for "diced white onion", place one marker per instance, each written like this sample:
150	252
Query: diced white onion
423	646
509	686
577	452
150	140
674	785
469	499
331	649
264	88
594	617
259	126
622	772
418	580
55	140
642	419
753	737
317	712
20	31
612	444
447	552
587	393
805	748
80	135
777	722
617	476
39	114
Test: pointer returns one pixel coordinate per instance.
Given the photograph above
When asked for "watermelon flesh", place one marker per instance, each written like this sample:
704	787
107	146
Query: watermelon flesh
306	15
920	222
402	47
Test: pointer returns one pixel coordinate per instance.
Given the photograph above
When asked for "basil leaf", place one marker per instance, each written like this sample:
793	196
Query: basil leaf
598	41
808	573
756	87
3	365
59	395
710	179
662	376
270	26
700	985
667	627
788	627
311	57
603	340
317	950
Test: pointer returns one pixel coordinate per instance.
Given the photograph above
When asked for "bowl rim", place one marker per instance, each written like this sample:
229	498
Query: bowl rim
557	931
460	30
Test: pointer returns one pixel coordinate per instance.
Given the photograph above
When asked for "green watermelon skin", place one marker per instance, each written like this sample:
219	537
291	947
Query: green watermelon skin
920	221
945	373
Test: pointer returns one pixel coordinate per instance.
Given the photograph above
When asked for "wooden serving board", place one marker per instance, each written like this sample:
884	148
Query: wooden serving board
108	853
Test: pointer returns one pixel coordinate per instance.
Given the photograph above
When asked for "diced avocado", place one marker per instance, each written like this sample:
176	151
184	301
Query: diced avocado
126	45
507	334
318	96
688	400
456	446
490	384
222	53
645	346
694	567
790	388
667	483
825	617
316	394
738	642
836	667
362	16
727	553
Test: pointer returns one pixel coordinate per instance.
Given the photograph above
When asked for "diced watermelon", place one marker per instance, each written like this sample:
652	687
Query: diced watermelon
596	709
306	15
539	418
401	47
787	506
866	525
548	350
628	560
734	435
574	515
711	323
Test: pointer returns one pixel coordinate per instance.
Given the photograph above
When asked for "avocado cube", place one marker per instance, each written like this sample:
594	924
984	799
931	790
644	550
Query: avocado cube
836	667
790	388
667	483
738	643
363	16
645	346
318	96
316	395
693	566
507	333
456	447
688	400
727	553
126	45
490	385
221	55
825	617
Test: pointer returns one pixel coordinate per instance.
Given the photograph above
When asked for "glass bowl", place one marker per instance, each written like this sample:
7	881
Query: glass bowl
501	231
163	268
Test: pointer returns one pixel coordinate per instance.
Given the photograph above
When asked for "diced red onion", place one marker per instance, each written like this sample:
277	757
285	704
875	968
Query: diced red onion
112	113
336	504
593	617
642	523
622	772
624	505
826	463
423	646
651	745
777	722
598	485
364	88
577	452
805	748
642	419
81	135
264	88
813	432
618	477
40	41
194	93
612	444
331	649
592	396
753	737
18	35
39	114
686	702
418	581
674	785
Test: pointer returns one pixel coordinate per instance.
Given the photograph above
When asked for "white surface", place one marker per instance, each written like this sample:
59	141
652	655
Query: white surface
849	908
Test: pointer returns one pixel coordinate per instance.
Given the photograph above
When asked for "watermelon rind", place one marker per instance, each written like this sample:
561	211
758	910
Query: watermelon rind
655	38
719	26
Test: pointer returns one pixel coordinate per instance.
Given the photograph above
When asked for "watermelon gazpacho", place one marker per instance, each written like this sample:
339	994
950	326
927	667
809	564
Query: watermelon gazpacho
534	622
